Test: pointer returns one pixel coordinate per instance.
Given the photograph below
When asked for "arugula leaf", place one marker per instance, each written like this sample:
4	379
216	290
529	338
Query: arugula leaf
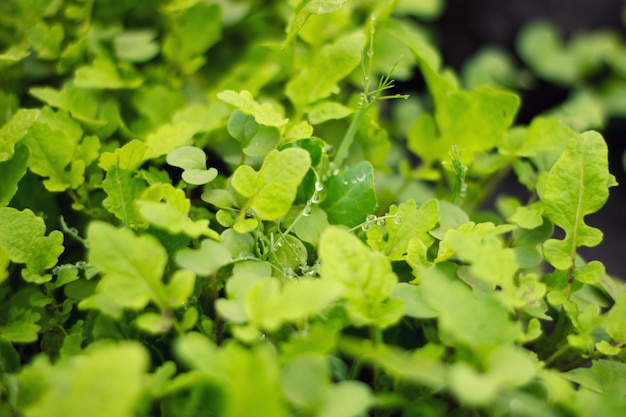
106	381
123	188
272	190
15	130
22	236
475	121
11	172
577	185
366	276
265	114
305	9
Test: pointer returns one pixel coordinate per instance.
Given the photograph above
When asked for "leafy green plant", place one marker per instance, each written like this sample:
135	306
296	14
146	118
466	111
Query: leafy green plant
211	208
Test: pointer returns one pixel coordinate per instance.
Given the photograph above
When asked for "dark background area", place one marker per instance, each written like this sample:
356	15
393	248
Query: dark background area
468	26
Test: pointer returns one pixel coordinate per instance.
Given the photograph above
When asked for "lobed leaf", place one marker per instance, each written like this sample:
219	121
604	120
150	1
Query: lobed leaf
272	190
577	185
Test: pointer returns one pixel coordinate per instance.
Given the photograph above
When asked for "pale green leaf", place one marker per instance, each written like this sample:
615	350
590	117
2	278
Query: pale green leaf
132	267
305	9
327	110
15	130
577	185
410	223
413	297
350	196
54	159
206	260
474	121
46	39
123	188
265	114
128	157
545	134
615	321
348	398
23	238
154	323
309	228
306	380
319	78
167	208
187	157
136	45
169	137
179	288
107	381
272	190
104	74
366	276
81	103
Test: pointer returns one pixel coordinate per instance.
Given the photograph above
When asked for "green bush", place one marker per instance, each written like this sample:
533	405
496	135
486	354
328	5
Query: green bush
225	208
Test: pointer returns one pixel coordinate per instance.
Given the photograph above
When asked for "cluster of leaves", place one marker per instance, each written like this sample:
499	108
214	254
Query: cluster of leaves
206	210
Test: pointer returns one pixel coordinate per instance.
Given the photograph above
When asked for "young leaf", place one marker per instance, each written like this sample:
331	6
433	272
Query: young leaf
409	223
169	137
475	121
350	196
206	260
15	130
272	190
577	185
128	157
21	326
366	276
132	268
107	381
123	189
104	74
22	236
55	160
136	45
305	9
319	78
265	114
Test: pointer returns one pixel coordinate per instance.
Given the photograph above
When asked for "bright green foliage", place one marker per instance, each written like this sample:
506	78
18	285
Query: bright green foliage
366	276
102	382
23	238
577	185
475	121
272	190
132	268
407	223
166	207
265	114
350	196
206	210
319	78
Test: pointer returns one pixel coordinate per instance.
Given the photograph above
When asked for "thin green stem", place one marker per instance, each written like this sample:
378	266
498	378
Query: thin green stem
347	140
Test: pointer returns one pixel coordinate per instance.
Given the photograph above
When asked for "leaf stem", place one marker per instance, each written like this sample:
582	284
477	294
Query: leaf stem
348	138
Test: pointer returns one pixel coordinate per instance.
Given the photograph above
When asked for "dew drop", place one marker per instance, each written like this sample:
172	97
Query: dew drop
315	199
366	227
319	186
345	182
279	243
306	211
380	222
353	181
397	219
363	96
288	271
329	150
311	273
370	52
373	17
360	176
371	218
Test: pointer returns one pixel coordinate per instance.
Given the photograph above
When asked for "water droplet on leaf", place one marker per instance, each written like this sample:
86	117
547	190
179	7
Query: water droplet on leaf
306	211
360	176
319	186
315	199
397	219
366	226
380	222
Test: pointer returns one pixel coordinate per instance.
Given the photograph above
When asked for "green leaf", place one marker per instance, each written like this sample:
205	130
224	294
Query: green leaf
464	319
107	381
123	189
309	228
15	130
54	159
265	114
187	157
413	298
21	327
128	157
132	268
366	276
192	31
169	137
306	380
319	78
11	172
327	110
615	321
46	40
409	223
351	196
577	185
104	74
474	121
305	9
154	323
82	104
136	45
167	208
22	236
272	190
206	260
